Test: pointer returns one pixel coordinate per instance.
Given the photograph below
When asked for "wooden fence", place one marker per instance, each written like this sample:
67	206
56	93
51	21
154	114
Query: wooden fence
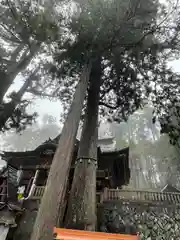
140	196
126	195
38	192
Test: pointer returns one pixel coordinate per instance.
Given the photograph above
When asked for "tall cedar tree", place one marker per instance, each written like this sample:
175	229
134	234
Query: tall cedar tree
54	195
127	62
127	38
81	212
134	49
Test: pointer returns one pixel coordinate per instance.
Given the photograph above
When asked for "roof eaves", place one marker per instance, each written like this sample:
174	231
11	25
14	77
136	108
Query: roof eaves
178	190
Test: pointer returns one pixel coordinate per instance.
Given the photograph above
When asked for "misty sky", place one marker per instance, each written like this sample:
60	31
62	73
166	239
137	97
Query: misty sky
44	106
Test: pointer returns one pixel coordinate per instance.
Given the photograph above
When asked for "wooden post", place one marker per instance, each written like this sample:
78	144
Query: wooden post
105	194
101	197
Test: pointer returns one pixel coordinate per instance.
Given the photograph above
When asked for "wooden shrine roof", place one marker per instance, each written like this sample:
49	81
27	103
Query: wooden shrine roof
170	188
49	144
32	158
40	155
115	153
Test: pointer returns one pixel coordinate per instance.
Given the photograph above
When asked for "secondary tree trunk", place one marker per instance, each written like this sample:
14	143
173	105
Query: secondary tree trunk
8	108
14	69
81	213
54	194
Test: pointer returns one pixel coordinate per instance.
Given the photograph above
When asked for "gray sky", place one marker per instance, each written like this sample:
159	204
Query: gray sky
41	106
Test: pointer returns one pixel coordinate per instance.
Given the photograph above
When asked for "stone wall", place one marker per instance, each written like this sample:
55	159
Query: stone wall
152	222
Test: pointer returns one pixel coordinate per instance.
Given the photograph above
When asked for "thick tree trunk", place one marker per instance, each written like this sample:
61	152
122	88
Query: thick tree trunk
54	194
81	213
8	108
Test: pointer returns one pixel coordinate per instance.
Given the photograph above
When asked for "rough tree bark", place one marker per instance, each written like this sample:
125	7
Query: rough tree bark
54	194
81	213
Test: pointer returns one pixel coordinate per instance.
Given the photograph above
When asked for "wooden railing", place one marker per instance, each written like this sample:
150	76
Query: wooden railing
38	192
140	196
66	234
126	195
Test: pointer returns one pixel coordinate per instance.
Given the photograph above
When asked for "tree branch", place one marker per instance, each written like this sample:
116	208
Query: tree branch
107	105
40	94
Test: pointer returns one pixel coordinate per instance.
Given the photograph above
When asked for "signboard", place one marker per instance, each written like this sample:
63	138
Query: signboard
68	234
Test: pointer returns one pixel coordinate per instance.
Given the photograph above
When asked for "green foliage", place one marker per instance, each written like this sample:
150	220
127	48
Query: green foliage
19	118
27	21
107	24
131	37
134	52
26	28
170	120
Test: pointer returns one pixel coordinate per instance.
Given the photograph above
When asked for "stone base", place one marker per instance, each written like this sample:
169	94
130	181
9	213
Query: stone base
153	223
